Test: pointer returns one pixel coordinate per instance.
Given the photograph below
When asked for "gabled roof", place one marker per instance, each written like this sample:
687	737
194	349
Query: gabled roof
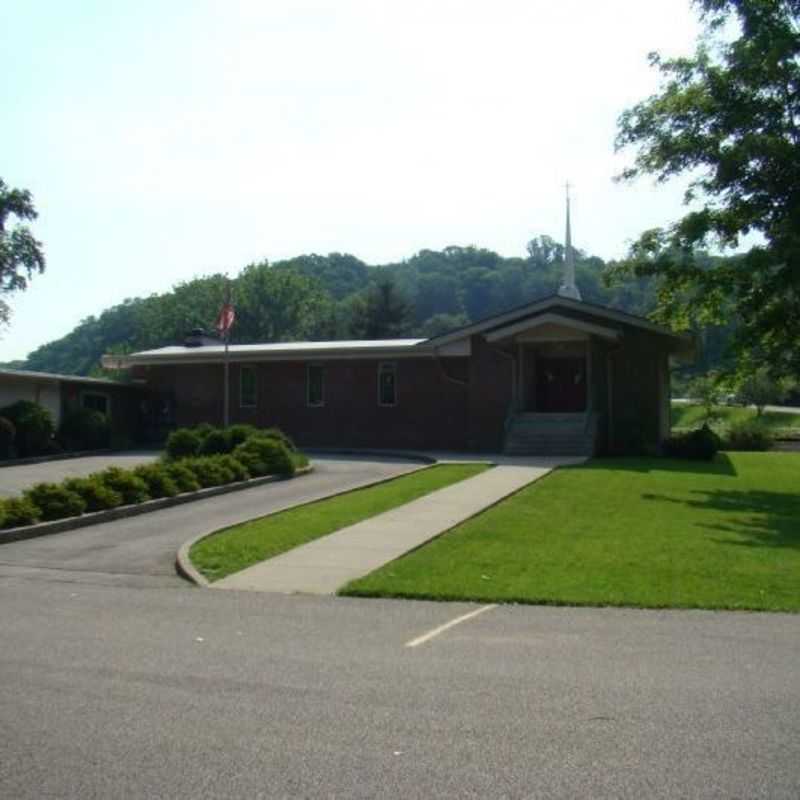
506	318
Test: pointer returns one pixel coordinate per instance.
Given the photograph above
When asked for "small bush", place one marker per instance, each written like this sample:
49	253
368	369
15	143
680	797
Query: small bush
84	429
209	472
263	455
55	501
159	482
94	493
18	511
7	433
748	434
240	433
299	459
34	427
234	466
277	433
131	487
203	429
182	443
183	477
697	445
216	442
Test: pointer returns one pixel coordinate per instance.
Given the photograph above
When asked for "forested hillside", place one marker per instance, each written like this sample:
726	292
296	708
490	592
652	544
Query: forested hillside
338	296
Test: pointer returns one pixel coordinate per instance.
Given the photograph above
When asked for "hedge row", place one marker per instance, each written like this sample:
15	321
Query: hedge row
256	456
27	429
206	440
703	443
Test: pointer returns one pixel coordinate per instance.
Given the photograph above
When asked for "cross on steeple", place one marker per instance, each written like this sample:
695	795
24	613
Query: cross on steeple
568	287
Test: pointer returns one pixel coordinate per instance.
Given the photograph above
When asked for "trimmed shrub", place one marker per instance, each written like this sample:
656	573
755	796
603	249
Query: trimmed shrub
263	455
34	427
182	476
240	433
94	493
299	459
55	501
18	511
159	482
131	487
209	472
183	443
749	434
277	433
203	429
701	444
7	433
234	466
216	442
84	429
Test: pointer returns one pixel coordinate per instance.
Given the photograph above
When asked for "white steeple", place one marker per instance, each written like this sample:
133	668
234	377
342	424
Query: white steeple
568	287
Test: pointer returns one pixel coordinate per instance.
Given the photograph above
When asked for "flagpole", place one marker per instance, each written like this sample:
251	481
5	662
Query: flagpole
226	413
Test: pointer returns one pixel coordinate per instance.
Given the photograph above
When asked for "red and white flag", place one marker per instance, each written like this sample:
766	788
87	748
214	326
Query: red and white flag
225	319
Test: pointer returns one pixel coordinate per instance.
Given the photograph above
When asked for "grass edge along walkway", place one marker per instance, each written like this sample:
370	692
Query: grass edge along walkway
233	549
646	533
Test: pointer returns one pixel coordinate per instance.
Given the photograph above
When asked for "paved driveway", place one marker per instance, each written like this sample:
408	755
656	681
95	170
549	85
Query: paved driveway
14	480
140	551
108	691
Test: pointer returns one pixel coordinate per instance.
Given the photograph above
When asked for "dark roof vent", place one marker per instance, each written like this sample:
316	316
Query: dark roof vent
198	337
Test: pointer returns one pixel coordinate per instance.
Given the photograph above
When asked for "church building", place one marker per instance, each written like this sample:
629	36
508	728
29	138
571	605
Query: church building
556	376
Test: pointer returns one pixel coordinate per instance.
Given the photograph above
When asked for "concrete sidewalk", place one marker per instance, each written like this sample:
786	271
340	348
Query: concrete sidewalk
326	564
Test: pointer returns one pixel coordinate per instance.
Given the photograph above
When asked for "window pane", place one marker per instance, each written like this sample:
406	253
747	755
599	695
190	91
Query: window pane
316	386
96	402
387	392
248	386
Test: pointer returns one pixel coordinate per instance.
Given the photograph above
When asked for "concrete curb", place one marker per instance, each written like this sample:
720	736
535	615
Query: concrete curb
123	512
183	563
406	455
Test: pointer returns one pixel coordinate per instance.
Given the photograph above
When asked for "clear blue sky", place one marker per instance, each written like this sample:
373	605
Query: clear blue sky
167	140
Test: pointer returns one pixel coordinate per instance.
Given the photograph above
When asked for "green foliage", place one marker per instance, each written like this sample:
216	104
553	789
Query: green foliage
18	511
183	477
701	444
209	471
381	313
238	433
728	118
84	429
34	427
182	443
263	455
215	442
7	433
94	493
21	254
158	480
234	466
130	487
203	429
55	501
757	387
749	434
279	435
706	391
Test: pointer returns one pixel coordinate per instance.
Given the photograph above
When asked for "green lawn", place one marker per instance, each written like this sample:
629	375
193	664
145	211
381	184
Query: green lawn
633	532
685	415
232	549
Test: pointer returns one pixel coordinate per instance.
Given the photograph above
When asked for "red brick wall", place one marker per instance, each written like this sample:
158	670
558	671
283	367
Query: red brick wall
431	410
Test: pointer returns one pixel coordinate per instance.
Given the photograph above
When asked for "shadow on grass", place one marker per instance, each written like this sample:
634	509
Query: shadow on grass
721	465
777	523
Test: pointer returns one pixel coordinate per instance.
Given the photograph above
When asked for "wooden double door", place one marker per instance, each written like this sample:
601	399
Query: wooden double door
559	384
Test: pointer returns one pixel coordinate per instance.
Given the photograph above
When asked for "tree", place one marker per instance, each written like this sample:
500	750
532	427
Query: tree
381	313
705	390
758	388
21	255
728	118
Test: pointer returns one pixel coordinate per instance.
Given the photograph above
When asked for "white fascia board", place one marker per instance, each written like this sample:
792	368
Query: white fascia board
553	319
542	305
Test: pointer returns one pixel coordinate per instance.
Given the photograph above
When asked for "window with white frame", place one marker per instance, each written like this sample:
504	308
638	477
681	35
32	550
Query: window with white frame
387	384
247	387
315	385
